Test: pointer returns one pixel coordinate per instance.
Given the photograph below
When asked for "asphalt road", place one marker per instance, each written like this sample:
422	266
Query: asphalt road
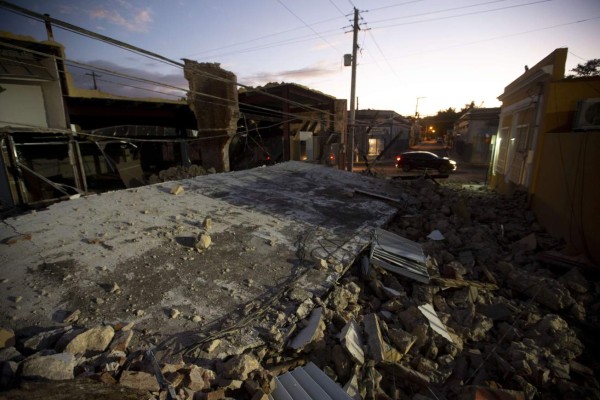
465	173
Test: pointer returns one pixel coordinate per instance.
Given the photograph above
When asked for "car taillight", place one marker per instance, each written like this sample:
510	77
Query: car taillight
332	157
398	158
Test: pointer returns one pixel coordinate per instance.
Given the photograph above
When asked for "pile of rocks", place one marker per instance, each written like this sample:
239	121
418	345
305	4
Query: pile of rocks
493	322
179	173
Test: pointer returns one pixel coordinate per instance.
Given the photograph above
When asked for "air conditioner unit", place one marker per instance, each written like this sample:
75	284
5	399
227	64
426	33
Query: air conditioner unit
588	115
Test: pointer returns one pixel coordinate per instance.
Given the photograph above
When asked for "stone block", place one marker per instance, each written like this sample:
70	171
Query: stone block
139	380
53	367
7	338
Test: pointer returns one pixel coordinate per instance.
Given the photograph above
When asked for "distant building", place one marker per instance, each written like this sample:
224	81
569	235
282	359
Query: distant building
287	121
472	134
379	130
548	144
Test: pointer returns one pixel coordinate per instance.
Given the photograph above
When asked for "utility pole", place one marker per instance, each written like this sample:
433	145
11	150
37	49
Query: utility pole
93	75
353	89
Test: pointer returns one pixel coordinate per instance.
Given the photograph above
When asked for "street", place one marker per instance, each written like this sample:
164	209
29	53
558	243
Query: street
465	173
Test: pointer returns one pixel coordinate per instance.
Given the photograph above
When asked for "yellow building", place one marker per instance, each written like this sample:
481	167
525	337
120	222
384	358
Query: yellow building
548	144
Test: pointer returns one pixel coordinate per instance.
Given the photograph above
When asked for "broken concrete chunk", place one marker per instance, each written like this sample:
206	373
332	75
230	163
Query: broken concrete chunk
53	367
139	380
338	299
298	294
546	291
239	367
114	288
435	235
322	264
45	340
204	241
121	340
198	378
310	332
10	354
177	189
72	317
352	342
304	308
575	281
401	339
375	342
7	338
92	340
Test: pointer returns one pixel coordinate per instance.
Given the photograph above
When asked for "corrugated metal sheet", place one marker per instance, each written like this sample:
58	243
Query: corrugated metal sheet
307	383
397	254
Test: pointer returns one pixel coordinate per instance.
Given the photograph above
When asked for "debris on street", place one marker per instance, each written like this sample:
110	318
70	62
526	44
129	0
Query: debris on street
485	312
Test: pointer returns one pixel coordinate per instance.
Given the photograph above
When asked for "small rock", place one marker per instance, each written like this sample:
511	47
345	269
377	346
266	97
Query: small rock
114	288
238	367
7	338
10	354
177	190
175	313
198	378
204	241
121	340
45	340
207	223
53	367
196	318
72	317
139	380
92	340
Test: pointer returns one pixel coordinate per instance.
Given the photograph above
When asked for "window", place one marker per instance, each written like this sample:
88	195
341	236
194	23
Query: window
375	146
502	143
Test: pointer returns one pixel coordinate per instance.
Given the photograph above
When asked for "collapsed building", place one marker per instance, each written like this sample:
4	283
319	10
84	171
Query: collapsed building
264	283
59	140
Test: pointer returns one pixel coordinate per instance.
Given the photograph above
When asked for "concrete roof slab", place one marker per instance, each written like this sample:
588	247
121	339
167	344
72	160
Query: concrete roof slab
268	226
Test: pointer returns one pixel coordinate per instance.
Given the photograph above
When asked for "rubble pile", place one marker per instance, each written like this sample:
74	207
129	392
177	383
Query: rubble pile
179	173
494	321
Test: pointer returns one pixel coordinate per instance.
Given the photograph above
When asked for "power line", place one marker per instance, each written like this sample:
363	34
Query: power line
138	50
506	36
461	15
85	66
262	37
393	5
434	12
337	8
308	26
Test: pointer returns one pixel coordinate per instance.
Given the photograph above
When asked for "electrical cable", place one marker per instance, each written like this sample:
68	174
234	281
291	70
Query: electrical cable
308	26
148	81
460	15
137	50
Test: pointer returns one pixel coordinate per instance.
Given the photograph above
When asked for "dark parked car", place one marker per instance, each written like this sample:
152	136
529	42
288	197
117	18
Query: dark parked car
424	160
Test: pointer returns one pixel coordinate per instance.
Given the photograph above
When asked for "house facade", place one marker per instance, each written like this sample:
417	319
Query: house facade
380	132
548	144
473	132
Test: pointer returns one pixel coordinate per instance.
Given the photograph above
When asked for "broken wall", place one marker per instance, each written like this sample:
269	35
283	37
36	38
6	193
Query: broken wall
214	100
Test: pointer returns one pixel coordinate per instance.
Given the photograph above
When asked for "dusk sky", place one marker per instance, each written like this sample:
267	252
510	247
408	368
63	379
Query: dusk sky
447	53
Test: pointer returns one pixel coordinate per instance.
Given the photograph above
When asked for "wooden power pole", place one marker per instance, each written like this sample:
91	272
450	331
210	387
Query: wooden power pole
353	90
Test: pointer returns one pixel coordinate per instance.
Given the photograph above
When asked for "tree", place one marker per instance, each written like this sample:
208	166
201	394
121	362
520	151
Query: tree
590	68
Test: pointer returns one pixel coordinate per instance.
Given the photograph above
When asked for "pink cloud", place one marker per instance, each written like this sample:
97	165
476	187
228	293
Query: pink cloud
137	22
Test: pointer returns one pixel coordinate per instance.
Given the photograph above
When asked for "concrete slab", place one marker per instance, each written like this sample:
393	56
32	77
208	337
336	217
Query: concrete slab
268	225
